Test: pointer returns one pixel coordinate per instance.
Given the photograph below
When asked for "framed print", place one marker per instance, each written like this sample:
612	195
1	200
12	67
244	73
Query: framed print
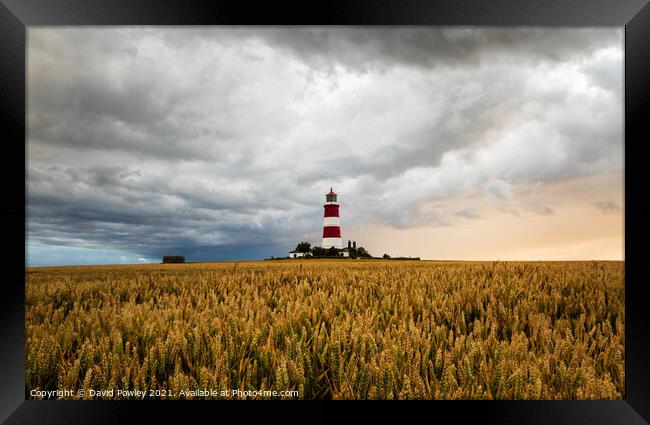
381	201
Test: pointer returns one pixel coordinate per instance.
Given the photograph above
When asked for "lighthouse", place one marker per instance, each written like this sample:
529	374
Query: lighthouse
331	222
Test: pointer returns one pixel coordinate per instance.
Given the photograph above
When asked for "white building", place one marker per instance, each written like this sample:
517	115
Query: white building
296	254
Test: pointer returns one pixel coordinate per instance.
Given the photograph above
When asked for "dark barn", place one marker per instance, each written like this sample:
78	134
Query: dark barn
173	259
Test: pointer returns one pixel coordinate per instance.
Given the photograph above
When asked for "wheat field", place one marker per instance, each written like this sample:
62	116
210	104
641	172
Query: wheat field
329	329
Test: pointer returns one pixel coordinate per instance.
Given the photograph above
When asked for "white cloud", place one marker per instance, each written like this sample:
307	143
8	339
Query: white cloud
498	188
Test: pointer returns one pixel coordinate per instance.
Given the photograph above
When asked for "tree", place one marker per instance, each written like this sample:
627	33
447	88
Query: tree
332	252
319	252
361	252
386	256
303	247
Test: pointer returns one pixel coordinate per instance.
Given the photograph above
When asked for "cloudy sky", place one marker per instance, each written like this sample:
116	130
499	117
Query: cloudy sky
220	143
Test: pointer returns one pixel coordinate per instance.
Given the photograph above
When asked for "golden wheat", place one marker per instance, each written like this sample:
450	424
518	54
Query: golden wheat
330	329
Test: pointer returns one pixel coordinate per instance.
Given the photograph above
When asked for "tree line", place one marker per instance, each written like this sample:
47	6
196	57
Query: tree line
319	252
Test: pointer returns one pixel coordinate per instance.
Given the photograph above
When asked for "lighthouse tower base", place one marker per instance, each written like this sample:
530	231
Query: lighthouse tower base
332	242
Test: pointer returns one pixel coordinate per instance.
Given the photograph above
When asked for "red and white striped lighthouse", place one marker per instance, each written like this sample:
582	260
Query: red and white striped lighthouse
331	222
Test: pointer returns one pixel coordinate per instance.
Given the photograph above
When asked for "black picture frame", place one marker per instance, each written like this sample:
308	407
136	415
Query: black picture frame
16	15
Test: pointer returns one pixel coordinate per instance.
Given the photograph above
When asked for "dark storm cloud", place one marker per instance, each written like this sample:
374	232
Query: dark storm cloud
365	48
156	139
78	102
